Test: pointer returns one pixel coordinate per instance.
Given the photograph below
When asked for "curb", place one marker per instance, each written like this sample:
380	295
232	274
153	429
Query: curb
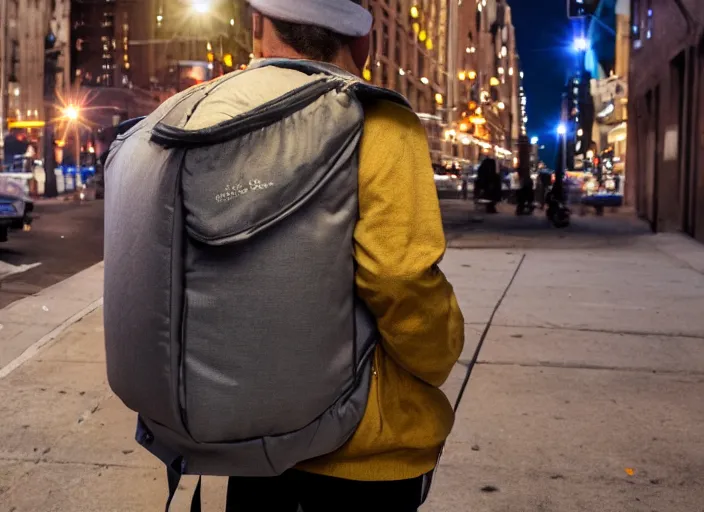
35	348
28	325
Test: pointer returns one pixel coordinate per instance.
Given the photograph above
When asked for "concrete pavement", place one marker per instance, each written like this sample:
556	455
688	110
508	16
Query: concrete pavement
587	396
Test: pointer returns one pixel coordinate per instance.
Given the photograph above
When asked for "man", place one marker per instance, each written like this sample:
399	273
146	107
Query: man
398	242
488	184
285	322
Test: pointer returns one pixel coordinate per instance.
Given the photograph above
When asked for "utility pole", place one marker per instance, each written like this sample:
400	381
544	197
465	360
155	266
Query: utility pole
4	93
452	66
51	69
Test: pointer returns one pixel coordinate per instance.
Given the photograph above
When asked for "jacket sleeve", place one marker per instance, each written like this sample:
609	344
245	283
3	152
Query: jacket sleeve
399	241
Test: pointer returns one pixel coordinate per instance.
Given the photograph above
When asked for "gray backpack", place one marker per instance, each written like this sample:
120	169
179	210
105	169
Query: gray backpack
231	321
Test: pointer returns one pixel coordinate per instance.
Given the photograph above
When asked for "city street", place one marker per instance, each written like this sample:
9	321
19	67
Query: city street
587	395
66	237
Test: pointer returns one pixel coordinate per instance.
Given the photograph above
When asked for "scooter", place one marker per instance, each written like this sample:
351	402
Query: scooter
557	212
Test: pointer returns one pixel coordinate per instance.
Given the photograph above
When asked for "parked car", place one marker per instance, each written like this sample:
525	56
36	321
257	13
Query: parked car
16	207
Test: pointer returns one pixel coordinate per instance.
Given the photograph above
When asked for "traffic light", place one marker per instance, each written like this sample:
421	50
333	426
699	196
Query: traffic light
227	60
581	8
51	65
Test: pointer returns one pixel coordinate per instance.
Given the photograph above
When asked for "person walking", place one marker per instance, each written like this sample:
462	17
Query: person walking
378	180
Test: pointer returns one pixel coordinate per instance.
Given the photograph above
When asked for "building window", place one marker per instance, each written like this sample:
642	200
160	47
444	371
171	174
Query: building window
649	21
635	24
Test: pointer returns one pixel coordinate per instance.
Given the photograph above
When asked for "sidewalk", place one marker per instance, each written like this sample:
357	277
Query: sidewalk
593	369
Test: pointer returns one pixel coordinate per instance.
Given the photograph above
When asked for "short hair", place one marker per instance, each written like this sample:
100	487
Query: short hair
311	41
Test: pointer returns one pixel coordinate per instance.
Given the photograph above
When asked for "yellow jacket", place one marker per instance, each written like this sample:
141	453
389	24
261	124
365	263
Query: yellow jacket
399	241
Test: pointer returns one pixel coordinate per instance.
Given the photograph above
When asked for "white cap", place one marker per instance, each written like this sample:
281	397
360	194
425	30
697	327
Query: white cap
341	16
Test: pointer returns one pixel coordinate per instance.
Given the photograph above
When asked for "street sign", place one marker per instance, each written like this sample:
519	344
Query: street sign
581	8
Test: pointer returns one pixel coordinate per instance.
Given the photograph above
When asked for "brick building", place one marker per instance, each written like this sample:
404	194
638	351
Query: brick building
490	115
409	55
490	112
143	43
666	114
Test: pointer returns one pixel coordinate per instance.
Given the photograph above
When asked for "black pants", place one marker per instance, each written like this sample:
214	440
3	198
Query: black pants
314	493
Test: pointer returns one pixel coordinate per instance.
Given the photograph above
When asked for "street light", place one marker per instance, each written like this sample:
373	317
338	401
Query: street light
201	6
71	113
534	141
561	129
581	44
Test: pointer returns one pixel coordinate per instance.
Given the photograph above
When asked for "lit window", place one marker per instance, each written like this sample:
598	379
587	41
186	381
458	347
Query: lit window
649	21
636	24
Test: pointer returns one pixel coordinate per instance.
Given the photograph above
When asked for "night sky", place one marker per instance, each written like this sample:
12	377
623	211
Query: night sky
544	36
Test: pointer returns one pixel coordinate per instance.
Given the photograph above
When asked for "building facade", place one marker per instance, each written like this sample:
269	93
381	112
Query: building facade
409	54
25	31
490	107
157	45
27	24
600	94
666	114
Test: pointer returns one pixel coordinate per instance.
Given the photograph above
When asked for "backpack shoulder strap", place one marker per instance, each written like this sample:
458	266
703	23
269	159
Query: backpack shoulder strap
363	91
368	93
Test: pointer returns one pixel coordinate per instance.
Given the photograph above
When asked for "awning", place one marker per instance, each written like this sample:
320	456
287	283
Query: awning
618	134
25	124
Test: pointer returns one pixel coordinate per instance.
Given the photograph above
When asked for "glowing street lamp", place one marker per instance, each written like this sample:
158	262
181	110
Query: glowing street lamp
534	141
71	113
201	6
581	44
562	129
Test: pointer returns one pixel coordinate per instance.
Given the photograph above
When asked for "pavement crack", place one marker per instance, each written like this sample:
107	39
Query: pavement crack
552	327
597	367
487	328
62	462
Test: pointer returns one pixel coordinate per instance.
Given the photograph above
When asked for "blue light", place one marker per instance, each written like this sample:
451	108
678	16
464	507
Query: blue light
581	44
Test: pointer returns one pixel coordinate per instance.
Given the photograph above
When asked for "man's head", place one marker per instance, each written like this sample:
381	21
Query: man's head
335	31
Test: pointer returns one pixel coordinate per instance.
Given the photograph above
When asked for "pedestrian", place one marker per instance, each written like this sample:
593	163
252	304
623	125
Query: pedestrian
489	182
298	228
545	177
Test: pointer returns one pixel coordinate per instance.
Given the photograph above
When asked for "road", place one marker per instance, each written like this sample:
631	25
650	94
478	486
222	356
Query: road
66	237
